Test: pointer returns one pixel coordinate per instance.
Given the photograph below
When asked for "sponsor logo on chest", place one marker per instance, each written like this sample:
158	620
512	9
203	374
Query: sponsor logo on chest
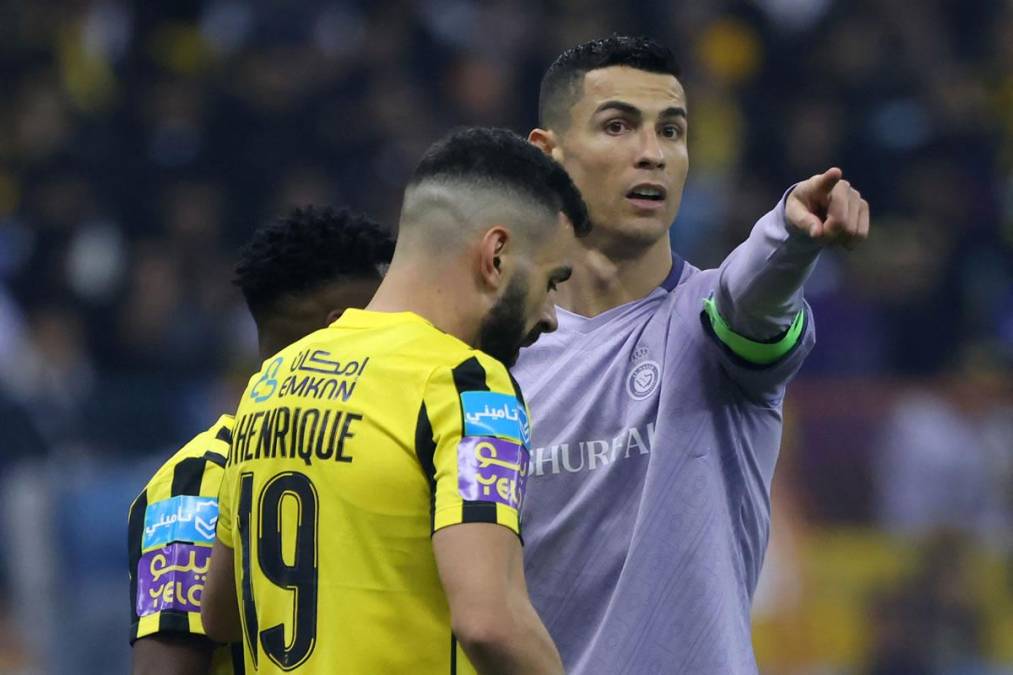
593	454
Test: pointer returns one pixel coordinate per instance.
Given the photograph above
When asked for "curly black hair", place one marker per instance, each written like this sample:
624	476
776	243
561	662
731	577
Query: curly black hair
563	81
499	157
307	249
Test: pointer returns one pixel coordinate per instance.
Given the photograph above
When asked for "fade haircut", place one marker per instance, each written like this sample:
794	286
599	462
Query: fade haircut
308	249
563	83
499	161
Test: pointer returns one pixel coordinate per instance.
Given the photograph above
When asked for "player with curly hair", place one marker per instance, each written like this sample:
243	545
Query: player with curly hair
297	274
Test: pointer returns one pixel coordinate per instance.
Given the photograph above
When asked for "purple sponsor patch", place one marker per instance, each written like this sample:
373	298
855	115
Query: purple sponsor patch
172	577
492	470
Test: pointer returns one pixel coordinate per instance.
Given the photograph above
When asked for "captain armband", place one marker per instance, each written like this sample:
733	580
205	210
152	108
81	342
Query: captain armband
759	353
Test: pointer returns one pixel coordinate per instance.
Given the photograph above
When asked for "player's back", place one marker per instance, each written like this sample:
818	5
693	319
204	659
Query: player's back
330	498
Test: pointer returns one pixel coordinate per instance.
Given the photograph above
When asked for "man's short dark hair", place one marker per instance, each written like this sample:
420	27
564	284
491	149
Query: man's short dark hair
563	82
306	250
499	158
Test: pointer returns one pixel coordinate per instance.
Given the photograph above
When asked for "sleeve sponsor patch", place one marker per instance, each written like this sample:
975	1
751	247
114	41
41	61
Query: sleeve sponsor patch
172	577
182	518
492	470
490	413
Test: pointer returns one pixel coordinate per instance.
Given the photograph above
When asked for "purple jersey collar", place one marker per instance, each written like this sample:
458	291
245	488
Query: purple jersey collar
672	280
584	324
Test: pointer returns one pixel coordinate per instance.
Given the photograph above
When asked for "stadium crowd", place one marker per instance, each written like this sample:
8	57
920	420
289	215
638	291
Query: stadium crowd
140	142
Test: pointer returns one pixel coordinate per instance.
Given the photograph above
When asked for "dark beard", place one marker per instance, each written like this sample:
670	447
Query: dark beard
502	333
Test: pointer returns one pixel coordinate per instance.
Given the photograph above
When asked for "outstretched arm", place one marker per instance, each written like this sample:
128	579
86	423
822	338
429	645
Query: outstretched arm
759	295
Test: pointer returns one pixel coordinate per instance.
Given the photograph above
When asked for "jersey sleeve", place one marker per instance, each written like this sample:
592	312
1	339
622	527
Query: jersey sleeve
171	529
473	439
756	312
226	508
762	368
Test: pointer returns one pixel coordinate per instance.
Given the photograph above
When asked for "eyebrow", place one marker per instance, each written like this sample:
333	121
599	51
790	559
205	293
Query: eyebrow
621	106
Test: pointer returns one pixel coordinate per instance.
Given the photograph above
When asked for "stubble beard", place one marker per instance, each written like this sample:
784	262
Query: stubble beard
502	333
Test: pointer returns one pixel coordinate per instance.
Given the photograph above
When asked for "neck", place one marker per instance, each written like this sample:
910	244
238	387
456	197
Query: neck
434	291
601	282
272	339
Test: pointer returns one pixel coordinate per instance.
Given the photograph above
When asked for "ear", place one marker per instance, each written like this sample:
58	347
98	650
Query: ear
546	141
492	249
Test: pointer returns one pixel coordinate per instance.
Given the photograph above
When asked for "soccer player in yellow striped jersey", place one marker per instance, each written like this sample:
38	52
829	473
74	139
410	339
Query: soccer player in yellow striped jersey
370	499
297	275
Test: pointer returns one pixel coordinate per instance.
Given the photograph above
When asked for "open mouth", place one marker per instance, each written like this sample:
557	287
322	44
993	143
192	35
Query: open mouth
647	192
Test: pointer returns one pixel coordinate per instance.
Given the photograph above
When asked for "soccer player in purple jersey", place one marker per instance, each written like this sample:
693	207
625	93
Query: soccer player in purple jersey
657	402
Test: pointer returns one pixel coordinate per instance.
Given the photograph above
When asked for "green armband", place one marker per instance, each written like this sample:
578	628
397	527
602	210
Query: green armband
760	353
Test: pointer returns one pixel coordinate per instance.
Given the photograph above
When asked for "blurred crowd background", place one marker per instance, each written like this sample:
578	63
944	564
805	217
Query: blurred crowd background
140	143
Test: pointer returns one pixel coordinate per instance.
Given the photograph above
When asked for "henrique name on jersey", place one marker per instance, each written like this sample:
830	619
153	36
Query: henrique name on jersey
307	434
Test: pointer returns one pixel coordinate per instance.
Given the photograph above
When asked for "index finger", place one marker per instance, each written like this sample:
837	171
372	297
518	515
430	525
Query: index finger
837	209
828	180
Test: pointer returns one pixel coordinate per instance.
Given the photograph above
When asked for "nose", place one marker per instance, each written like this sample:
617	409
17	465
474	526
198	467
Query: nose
650	155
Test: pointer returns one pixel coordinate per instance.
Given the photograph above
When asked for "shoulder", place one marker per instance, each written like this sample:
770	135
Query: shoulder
211	445
469	370
476	359
695	284
684	303
475	379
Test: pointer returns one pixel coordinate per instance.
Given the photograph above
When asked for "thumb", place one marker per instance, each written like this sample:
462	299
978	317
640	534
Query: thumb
807	222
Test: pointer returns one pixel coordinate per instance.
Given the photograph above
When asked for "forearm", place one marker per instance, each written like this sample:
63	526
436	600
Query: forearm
759	291
172	655
481	566
520	647
219	604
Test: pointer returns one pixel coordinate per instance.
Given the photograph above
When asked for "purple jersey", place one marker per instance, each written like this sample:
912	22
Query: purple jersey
648	505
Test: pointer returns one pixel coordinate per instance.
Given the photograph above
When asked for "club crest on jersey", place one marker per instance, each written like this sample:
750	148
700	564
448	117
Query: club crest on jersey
182	518
643	380
172	577
490	413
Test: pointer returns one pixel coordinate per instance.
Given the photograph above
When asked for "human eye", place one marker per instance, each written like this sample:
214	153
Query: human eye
616	126
672	131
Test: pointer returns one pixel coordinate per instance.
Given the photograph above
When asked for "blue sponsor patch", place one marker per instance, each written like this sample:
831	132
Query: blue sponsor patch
182	518
489	413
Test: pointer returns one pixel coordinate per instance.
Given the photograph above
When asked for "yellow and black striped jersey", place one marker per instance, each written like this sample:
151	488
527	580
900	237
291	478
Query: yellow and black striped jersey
170	532
351	447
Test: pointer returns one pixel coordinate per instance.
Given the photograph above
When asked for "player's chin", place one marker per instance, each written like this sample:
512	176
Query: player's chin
645	227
